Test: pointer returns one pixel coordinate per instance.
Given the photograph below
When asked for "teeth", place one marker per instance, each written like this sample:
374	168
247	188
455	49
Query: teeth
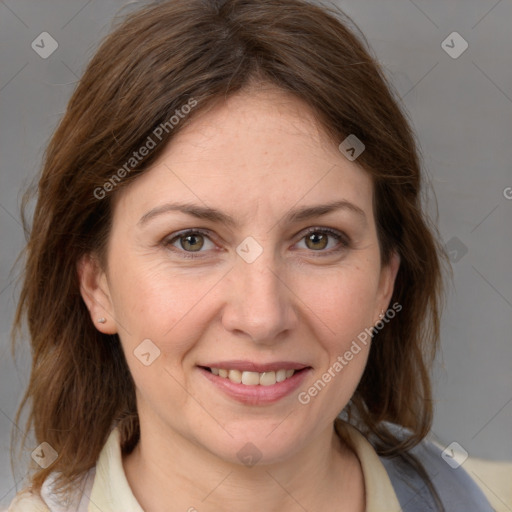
267	378
253	378
235	376
280	375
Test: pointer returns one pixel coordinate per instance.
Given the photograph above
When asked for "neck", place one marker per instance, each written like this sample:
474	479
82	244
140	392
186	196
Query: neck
173	473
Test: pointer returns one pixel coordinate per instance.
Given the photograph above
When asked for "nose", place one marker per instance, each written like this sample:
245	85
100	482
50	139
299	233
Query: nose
259	301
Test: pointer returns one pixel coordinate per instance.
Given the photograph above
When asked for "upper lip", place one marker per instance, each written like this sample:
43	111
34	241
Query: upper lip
251	366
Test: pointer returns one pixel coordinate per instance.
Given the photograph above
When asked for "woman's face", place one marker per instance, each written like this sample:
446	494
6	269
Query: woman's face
280	271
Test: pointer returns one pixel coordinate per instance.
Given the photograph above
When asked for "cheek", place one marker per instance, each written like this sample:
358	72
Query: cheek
342	304
342	299
155	303
148	294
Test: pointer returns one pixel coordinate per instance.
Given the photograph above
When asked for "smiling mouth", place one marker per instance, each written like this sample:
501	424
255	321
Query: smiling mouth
254	378
241	382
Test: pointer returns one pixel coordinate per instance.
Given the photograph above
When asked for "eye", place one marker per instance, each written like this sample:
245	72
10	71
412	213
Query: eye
319	239
190	241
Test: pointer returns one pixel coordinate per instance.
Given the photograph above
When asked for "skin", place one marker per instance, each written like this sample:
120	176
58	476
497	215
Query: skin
256	156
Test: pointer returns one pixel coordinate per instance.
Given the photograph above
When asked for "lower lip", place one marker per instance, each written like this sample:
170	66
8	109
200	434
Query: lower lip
257	395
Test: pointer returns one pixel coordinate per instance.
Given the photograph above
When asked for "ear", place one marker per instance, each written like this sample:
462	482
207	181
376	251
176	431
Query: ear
96	294
387	283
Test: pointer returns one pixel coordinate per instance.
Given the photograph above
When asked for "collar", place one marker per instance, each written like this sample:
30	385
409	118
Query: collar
379	491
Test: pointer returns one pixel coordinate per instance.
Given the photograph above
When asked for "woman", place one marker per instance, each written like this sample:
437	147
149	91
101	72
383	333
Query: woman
232	290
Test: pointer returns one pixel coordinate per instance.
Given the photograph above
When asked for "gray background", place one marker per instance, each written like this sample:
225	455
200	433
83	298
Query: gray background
461	110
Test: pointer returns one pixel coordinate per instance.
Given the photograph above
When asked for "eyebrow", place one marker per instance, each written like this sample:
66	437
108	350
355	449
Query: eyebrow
214	215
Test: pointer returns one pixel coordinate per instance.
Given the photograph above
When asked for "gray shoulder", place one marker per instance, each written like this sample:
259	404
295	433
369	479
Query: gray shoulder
456	489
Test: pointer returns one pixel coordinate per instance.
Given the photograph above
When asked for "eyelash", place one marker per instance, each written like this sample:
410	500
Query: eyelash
341	238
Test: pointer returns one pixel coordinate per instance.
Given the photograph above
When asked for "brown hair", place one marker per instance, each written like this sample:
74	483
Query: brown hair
155	62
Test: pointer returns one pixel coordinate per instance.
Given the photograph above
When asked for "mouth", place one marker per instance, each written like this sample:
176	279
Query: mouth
249	378
254	384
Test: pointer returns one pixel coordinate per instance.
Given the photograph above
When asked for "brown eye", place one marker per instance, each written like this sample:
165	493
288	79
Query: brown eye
192	243
317	241
324	241
189	242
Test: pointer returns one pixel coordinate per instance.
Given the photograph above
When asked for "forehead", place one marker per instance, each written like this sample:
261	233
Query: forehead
258	151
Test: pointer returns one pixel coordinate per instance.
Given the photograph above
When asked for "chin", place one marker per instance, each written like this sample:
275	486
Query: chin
260	444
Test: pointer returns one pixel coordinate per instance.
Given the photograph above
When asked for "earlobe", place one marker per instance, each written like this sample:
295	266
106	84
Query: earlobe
95	293
387	282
